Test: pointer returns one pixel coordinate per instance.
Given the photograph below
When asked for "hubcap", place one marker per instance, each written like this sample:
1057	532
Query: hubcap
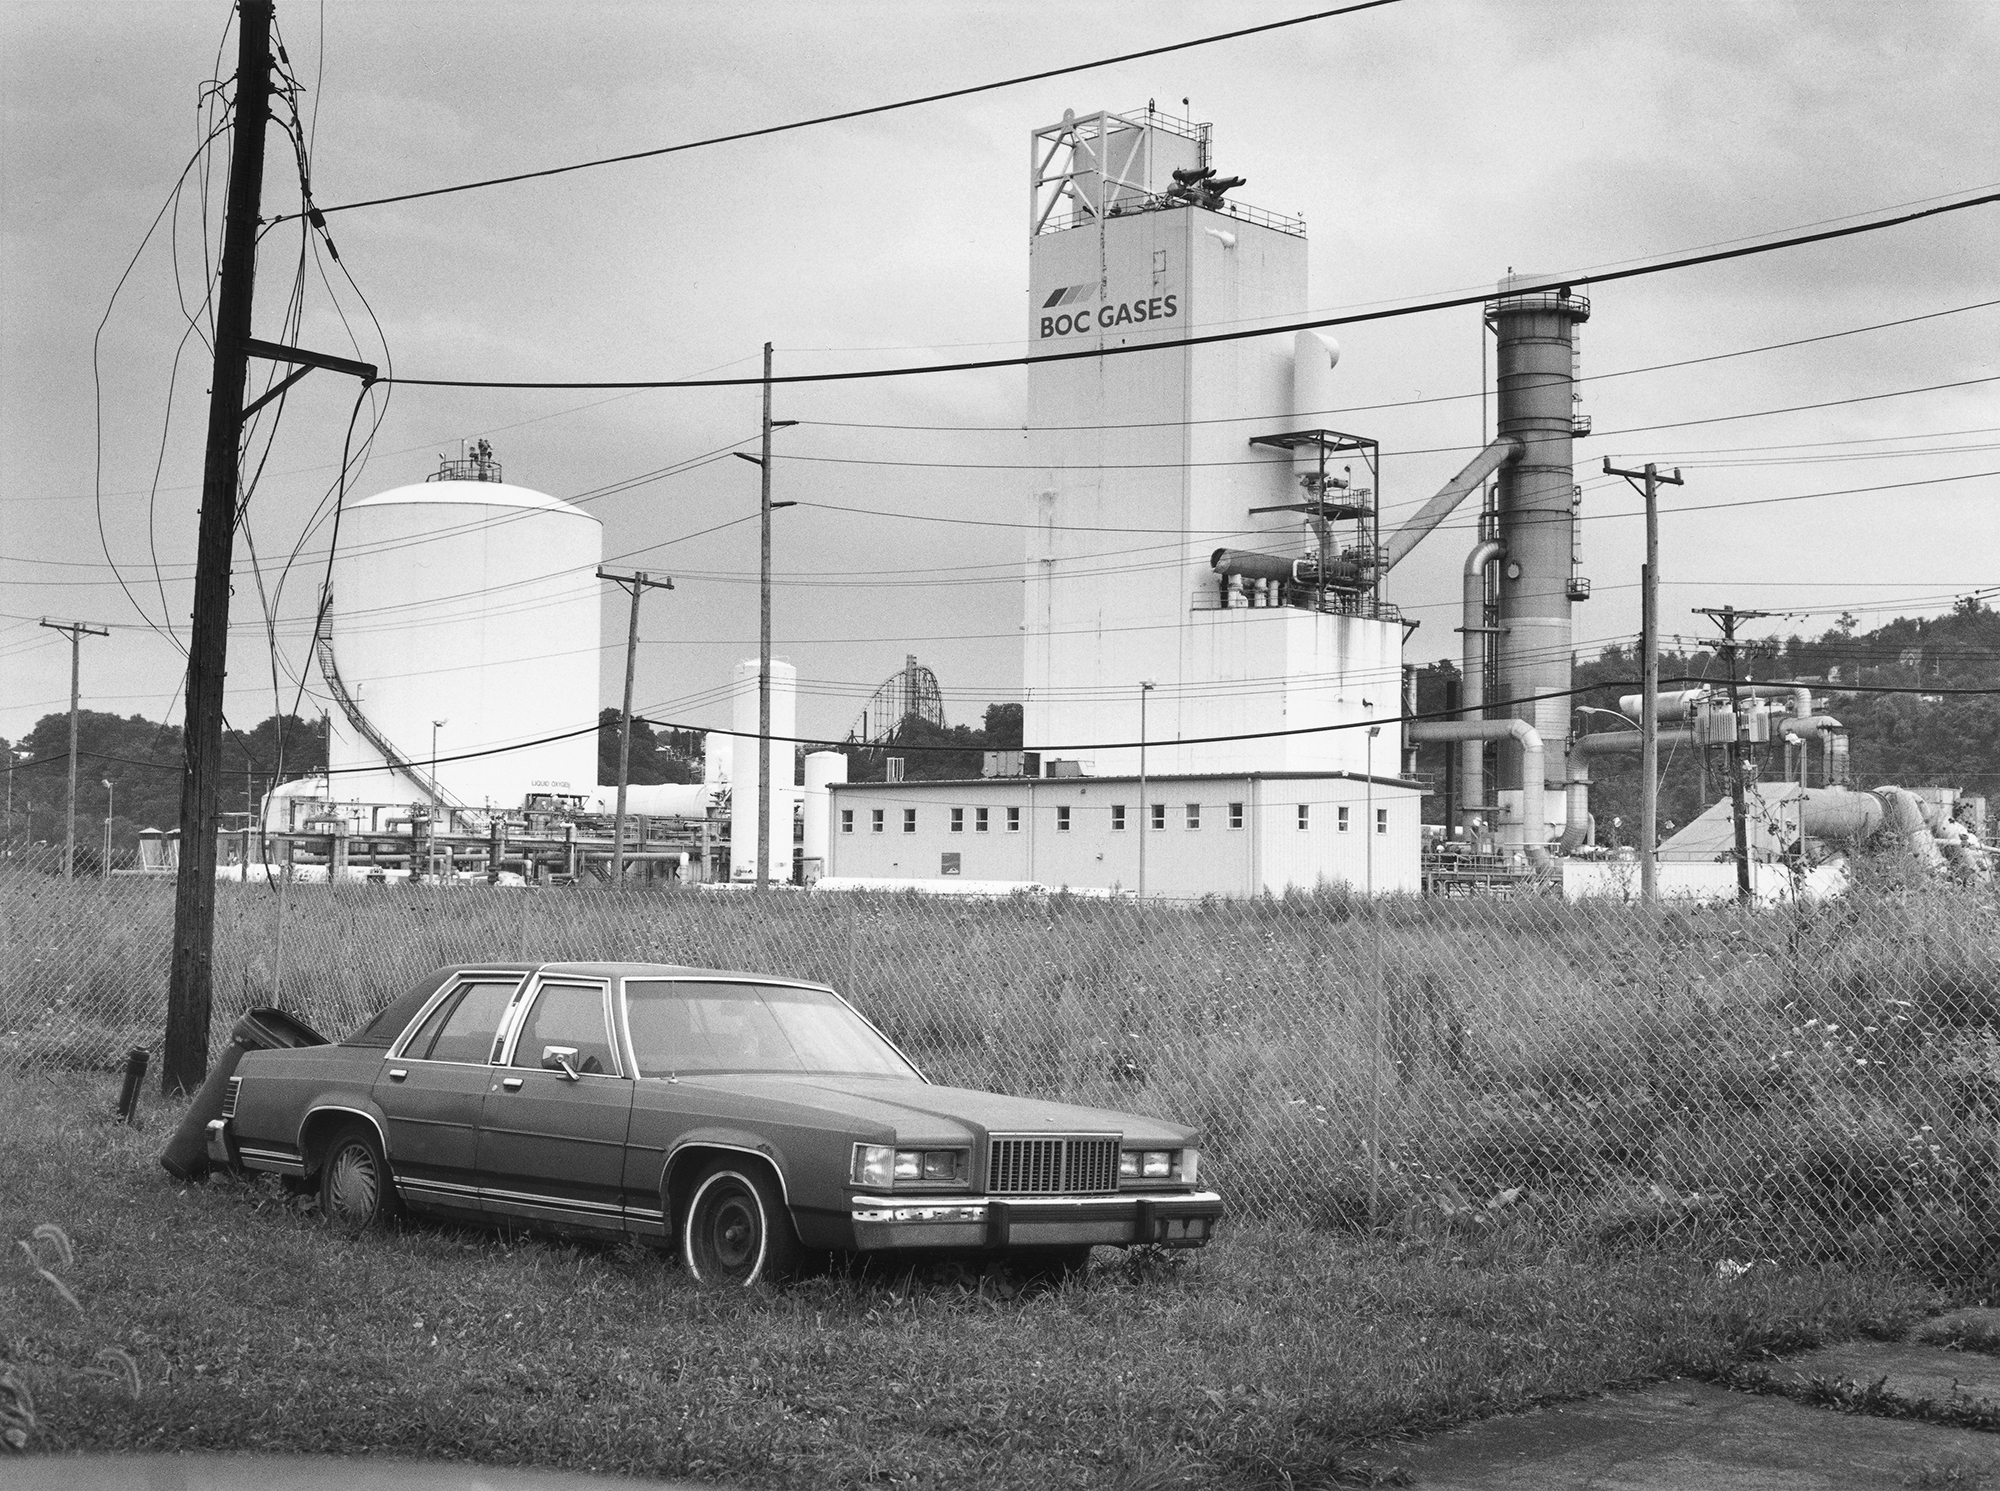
732	1234
355	1189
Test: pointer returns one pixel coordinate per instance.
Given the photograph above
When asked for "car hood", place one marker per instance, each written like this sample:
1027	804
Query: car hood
927	1111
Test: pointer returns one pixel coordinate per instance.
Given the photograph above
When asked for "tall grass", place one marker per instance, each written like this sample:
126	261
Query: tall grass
1820	1082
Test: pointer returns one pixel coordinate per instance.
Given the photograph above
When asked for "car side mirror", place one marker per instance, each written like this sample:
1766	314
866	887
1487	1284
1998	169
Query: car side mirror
561	1059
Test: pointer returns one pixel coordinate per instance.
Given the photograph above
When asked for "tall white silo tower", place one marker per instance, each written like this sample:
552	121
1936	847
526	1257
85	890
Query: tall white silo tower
464	610
1250	621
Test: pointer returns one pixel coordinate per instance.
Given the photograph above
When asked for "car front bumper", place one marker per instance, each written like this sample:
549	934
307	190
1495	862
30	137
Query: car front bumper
1171	1219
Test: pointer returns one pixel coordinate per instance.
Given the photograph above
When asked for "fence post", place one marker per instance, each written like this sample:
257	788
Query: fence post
1374	1053
853	916
278	954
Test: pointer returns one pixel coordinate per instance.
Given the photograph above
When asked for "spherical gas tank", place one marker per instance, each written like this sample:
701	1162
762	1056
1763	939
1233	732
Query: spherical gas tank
465	613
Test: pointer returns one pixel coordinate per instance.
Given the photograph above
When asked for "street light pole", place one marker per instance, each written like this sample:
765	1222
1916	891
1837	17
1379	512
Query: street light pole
1145	808
110	799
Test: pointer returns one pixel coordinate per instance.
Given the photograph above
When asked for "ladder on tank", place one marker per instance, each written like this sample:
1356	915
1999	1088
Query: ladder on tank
351	708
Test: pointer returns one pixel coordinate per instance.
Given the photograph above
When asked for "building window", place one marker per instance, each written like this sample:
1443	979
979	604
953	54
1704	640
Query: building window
875	820
909	820
1381	820
1340	820
1013	820
1118	817
1159	815
1305	815
979	816
1062	820
1236	815
847	820
1194	815
958	820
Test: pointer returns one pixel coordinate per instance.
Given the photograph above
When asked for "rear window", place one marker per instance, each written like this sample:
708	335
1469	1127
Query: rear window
389	1022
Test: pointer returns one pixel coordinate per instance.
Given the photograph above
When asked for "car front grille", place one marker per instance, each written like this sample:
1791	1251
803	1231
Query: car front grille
229	1097
1043	1167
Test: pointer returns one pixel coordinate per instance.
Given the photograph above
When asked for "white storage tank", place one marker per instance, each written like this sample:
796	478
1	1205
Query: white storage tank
468	607
744	799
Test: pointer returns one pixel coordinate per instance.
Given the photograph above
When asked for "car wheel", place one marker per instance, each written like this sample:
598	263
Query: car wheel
737	1229
355	1192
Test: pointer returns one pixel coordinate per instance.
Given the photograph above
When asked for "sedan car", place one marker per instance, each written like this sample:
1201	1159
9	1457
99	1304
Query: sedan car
742	1118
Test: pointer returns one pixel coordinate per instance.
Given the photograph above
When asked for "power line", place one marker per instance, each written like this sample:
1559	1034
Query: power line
861	113
1686	261
1445	398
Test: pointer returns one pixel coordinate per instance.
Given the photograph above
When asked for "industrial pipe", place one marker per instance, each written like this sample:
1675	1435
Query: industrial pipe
1472	681
1604	743
1533	820
1275	568
1680	705
1448	496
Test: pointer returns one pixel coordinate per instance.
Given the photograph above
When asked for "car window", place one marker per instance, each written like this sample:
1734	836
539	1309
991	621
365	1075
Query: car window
695	1026
567	1015
466	1032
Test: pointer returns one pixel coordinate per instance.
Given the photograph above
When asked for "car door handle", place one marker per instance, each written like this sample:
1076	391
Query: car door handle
512	1084
398	1073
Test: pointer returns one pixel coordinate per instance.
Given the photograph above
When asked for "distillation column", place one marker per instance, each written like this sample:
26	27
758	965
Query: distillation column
1535	342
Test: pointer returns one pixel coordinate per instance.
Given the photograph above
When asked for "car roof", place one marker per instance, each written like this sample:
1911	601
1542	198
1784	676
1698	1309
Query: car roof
638	970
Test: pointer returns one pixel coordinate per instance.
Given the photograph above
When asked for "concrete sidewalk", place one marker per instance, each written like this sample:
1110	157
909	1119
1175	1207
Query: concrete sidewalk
1686	1436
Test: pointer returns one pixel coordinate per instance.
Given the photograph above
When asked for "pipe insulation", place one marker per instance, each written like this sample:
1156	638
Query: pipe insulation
1448	497
1529	739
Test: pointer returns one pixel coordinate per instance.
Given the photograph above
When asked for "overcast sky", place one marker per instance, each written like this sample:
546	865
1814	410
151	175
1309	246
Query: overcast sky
1431	147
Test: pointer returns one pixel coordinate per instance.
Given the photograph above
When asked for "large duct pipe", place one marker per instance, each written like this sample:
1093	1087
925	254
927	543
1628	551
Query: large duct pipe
1453	492
1681	704
1526	835
1341	574
1582	749
1472	682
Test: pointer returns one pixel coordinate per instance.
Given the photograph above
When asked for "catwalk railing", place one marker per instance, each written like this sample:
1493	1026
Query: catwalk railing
1810	1081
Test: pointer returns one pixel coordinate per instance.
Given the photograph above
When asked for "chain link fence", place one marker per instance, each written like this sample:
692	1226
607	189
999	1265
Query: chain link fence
1814	1081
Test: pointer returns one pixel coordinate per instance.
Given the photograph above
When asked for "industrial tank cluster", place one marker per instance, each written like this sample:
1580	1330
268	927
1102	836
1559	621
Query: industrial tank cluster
1250	692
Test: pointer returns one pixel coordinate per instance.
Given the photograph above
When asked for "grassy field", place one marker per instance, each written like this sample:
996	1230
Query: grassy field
1821	1084
1280	1357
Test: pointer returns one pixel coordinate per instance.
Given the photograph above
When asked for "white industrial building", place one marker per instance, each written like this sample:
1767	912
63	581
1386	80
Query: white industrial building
1246	688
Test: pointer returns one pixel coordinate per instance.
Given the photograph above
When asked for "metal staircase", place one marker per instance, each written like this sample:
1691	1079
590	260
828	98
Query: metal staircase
351	707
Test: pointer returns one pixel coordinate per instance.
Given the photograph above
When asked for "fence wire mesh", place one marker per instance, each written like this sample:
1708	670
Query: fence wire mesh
1813	1081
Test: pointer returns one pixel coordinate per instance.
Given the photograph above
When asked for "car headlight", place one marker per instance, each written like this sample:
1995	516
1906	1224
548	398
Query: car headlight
880	1167
1179	1165
874	1166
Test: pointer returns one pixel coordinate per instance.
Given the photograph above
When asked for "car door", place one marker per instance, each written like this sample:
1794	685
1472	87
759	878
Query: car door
552	1126
433	1086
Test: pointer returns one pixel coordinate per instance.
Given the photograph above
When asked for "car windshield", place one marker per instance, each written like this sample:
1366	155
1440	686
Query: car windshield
692	1025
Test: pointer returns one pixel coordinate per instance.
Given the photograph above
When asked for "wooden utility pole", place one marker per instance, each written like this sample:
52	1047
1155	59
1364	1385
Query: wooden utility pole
76	631
636	584
1727	618
765	507
1649	646
186	1055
